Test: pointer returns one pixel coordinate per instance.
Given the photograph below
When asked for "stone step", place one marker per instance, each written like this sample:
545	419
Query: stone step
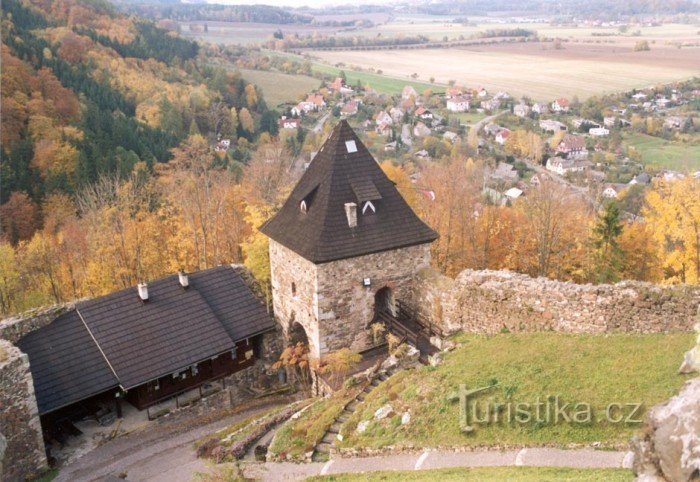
323	447
361	396
375	382
329	438
352	406
367	389
343	418
335	428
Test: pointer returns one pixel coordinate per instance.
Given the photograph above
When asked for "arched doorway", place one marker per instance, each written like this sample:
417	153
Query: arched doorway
384	301
297	334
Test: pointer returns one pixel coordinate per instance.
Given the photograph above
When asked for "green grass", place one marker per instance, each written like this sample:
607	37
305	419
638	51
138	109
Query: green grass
482	474
660	153
595	369
297	437
383	84
241	429
279	88
468	117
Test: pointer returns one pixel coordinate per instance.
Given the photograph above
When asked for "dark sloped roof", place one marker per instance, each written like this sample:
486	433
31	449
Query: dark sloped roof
118	340
143	341
340	176
65	363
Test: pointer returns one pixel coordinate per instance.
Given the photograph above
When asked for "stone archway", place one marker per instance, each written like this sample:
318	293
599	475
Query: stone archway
297	334
384	301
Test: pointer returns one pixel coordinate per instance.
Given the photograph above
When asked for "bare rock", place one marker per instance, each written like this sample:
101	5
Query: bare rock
383	412
691	362
670	448
362	426
406	418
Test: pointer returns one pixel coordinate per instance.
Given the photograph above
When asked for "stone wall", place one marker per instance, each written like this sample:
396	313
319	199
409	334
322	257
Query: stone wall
19	417
491	301
329	299
346	307
294	292
16	327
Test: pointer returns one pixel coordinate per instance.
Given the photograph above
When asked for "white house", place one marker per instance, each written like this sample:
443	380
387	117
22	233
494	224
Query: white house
458	104
540	108
560	105
521	110
384	118
551	125
502	136
563	166
598	131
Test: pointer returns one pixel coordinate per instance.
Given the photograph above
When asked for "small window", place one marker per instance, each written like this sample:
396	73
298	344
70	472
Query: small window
302	206
368	208
350	146
294	288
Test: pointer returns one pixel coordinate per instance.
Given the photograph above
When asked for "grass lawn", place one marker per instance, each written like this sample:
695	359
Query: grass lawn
279	88
468	117
297	437
479	474
660	153
239	430
526	368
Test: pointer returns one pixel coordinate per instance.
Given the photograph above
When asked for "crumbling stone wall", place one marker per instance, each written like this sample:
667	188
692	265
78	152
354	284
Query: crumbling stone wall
16	327
19	417
491	301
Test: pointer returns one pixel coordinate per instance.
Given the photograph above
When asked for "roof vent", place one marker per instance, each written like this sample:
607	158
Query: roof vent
351	213
184	279
143	291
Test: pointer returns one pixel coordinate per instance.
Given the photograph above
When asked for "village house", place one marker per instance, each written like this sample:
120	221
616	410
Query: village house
481	92
453	92
564	166
384	118
421	130
560	105
450	136
642	178
408	93
423	113
663	102
289	123
609	121
350	108
573	147
674	122
491	104
396	114
550	125
458	104
639	96
390	146
612	191
598	131
492	129
578	122
505	172
540	109
521	110
500	95
502	136
513	193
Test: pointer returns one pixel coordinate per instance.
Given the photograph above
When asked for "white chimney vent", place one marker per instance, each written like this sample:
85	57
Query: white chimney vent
184	279
351	213
143	291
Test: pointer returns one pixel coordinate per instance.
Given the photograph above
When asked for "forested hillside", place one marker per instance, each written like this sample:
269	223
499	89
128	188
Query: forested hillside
108	171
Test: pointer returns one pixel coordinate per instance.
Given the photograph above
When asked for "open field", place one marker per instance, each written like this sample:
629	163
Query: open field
527	368
660	153
246	32
279	88
479	474
533	69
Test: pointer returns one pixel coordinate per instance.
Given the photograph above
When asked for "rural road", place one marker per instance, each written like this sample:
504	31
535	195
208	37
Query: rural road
319	125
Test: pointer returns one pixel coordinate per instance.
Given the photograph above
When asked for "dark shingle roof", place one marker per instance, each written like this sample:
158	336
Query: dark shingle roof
336	176
65	363
118	340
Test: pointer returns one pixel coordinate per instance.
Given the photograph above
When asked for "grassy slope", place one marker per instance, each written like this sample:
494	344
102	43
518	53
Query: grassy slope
661	153
279	88
597	369
511	474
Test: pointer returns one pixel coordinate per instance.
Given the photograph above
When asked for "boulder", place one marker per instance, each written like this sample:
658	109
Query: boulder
670	447
691	361
383	412
406	418
362	426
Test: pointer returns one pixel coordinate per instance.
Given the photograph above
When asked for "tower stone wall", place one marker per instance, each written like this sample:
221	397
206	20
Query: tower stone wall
330	301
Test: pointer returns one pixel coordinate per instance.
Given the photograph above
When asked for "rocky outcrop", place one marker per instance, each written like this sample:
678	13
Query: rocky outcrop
670	447
493	301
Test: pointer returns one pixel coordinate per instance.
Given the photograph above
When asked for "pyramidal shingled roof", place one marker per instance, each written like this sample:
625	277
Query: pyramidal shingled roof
342	172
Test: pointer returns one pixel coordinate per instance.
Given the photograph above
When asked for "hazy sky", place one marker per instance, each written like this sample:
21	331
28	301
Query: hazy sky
299	3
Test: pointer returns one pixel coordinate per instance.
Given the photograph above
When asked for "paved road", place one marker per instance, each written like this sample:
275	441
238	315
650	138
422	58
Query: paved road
437	459
159	453
319	125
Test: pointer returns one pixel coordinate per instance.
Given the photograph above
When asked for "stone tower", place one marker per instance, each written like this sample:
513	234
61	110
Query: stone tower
344	244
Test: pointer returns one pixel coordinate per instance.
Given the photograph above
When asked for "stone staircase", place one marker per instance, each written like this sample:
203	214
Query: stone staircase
323	448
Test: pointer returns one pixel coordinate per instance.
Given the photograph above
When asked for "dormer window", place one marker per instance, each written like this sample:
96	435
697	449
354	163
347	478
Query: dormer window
302	206
351	146
306	201
368	208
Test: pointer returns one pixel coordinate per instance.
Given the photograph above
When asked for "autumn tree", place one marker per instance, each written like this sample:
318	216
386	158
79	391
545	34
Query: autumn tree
19	217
